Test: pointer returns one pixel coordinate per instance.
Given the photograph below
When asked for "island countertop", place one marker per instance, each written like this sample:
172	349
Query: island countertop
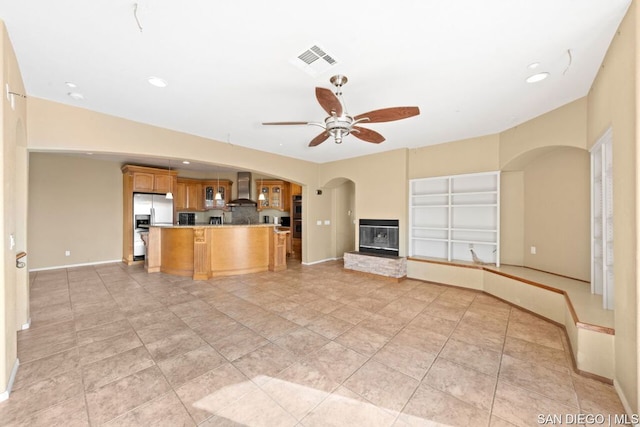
210	250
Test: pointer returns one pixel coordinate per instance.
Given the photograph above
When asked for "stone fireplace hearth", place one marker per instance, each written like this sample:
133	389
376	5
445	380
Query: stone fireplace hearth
378	250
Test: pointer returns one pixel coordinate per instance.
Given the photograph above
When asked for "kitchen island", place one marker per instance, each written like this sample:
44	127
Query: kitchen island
205	251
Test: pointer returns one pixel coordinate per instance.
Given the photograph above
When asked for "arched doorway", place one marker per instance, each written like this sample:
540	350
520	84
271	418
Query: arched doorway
343	214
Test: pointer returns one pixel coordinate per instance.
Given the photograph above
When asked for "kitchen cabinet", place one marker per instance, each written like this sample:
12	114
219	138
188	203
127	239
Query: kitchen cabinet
189	195
150	180
296	248
296	190
276	194
222	186
456	217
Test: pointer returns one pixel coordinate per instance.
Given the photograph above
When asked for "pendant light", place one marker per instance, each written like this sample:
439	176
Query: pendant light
218	196
169	194
261	197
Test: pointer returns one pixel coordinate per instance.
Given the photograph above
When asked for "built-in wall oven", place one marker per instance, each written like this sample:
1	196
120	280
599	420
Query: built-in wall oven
297	207
296	227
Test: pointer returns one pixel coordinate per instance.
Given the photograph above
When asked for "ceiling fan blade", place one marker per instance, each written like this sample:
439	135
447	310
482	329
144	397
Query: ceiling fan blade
388	114
319	139
328	101
285	123
367	134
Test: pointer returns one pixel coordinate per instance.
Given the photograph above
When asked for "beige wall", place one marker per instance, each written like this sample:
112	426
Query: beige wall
564	126
557	213
453	158
75	204
613	102
13	307
512	218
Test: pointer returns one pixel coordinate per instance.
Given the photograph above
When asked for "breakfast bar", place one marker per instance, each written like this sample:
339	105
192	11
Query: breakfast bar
206	251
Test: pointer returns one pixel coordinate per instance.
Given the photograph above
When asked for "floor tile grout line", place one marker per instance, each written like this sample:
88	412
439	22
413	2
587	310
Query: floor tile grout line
370	358
424	376
438	355
504	343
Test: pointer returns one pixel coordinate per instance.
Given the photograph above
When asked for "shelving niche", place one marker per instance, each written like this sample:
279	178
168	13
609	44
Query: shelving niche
450	215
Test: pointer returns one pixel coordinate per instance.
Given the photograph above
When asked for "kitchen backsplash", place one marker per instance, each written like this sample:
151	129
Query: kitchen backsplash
239	215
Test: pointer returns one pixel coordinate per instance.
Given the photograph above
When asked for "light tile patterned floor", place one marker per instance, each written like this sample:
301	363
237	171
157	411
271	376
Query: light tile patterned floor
310	346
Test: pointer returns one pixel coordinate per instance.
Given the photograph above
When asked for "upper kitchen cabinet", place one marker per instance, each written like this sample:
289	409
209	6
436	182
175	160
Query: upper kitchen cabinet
150	180
276	194
296	190
210	188
189	195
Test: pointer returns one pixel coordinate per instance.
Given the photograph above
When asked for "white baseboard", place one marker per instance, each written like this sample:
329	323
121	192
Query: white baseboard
26	325
623	399
321	261
5	394
57	267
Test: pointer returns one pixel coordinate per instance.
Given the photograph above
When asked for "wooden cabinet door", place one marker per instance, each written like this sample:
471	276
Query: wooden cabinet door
209	190
180	196
163	183
222	189
143	182
276	197
194	194
264	190
208	195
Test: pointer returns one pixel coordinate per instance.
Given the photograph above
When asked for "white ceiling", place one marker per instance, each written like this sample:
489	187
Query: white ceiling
228	64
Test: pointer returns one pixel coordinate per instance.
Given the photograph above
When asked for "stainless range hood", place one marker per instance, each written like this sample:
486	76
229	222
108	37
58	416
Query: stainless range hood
244	191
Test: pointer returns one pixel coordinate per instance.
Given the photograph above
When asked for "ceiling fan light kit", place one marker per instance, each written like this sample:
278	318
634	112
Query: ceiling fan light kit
340	124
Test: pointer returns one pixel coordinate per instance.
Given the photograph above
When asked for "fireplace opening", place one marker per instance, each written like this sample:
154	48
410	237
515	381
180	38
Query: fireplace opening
379	236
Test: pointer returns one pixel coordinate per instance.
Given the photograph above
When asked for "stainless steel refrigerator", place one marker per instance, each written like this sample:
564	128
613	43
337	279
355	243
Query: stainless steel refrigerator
149	209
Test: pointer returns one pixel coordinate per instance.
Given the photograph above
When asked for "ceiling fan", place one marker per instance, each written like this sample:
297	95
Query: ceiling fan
340	124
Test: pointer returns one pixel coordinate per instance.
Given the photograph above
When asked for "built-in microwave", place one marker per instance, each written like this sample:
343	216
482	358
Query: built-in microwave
187	218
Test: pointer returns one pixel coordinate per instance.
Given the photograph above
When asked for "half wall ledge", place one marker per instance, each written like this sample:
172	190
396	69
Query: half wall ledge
564	301
394	267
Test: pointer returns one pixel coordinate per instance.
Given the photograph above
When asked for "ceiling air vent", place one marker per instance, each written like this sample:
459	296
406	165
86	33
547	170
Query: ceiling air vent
314	60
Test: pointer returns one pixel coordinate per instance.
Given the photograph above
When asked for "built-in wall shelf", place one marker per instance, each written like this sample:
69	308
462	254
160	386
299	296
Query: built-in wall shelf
450	215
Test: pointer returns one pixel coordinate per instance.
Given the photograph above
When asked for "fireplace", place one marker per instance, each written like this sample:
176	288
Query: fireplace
379	236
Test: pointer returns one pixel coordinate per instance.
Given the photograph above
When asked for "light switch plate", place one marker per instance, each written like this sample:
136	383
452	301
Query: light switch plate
327	222
318	222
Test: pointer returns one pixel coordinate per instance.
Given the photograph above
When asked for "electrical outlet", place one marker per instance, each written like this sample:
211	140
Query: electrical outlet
533	250
67	253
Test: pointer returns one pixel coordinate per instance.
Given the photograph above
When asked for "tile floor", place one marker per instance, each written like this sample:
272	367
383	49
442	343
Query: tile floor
310	346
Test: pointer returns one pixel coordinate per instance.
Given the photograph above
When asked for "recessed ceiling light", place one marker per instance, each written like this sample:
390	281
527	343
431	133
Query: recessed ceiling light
186	162
76	95
71	84
537	77
533	65
157	81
